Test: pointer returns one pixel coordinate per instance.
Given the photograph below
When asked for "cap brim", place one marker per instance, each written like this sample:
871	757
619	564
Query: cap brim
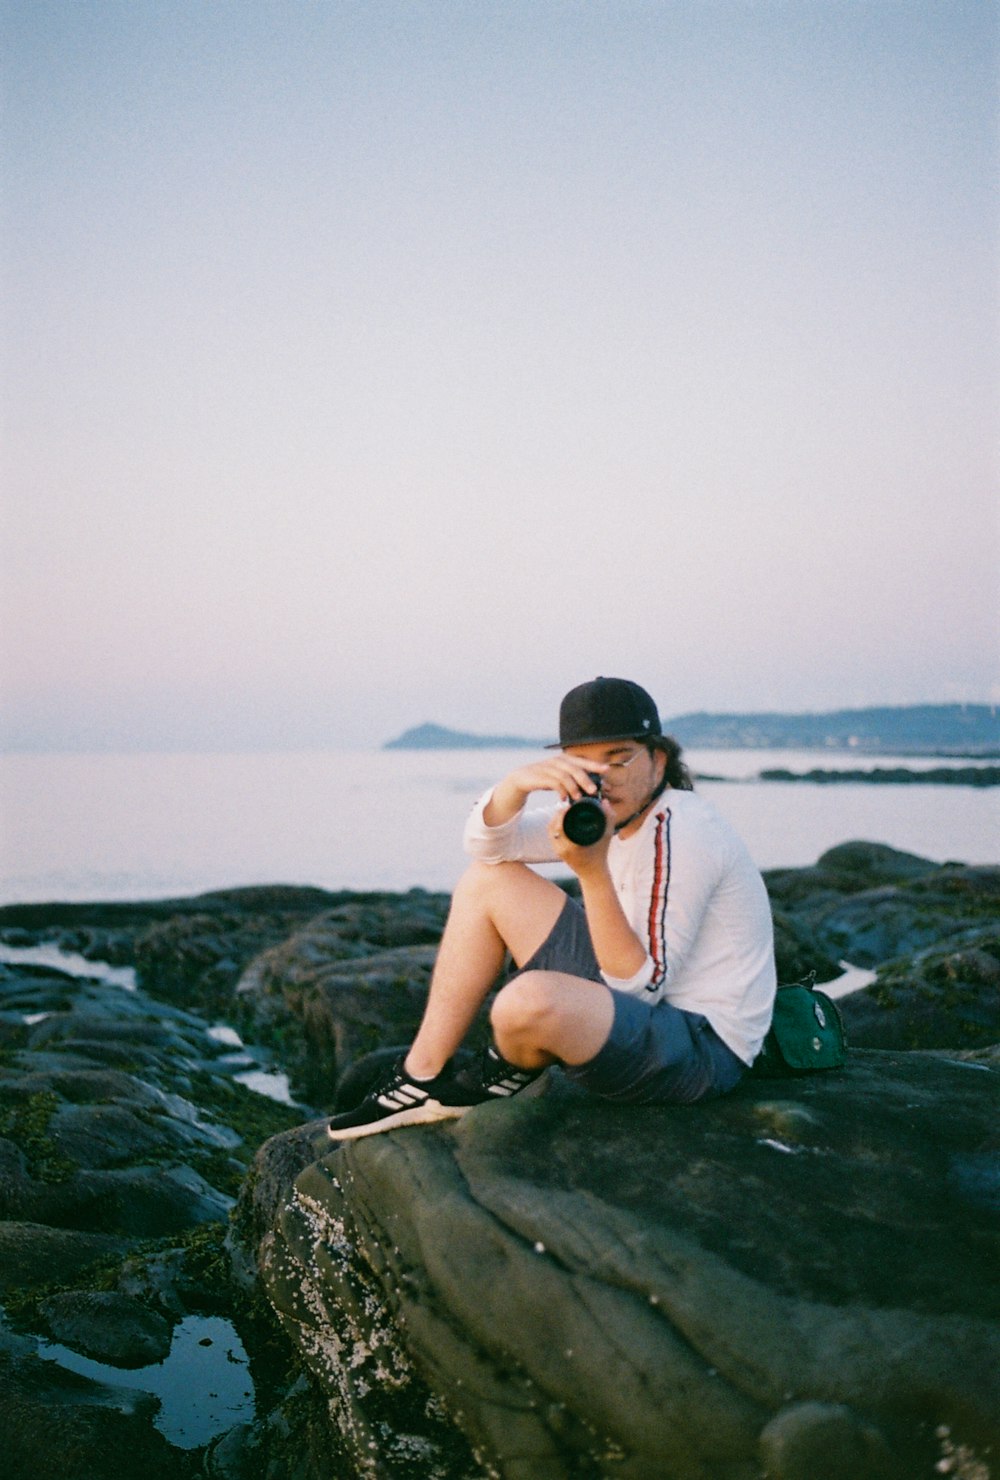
605	739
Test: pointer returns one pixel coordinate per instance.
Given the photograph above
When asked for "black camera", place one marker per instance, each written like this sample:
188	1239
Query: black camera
584	820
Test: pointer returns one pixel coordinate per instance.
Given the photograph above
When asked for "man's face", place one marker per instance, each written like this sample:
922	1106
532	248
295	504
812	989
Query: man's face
634	772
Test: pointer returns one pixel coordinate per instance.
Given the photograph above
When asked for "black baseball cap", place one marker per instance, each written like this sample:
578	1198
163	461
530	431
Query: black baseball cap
606	709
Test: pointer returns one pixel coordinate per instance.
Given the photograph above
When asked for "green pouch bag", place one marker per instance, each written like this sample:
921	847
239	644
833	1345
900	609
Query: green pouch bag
806	1033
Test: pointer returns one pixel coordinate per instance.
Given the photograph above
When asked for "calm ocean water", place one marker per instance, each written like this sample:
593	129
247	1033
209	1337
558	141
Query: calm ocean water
76	827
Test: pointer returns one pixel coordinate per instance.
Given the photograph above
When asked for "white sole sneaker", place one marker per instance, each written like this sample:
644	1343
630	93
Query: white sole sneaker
426	1113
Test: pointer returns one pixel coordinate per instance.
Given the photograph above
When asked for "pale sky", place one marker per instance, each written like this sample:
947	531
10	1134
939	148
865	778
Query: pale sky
397	360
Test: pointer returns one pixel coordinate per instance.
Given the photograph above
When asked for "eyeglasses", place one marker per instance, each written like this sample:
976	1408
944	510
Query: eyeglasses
624	765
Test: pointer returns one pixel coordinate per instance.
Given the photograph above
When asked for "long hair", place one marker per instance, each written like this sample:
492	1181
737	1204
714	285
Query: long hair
677	774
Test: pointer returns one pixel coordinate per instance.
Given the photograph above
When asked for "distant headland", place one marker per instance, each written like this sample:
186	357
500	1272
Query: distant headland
436	737
912	729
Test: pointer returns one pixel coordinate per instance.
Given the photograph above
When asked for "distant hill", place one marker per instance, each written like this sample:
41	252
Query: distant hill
912	729
436	737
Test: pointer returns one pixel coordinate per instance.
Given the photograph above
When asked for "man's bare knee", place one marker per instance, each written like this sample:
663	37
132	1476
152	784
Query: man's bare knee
545	1015
524	1005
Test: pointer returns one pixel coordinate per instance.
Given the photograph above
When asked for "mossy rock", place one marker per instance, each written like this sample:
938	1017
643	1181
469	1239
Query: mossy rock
944	998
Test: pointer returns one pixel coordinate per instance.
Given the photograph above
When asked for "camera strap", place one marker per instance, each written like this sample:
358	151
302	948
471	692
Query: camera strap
658	792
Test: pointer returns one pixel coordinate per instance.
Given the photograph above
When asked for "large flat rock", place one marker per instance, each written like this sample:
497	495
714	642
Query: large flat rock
800	1276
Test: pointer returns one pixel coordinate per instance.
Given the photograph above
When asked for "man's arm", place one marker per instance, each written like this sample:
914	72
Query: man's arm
566	775
501	829
620	953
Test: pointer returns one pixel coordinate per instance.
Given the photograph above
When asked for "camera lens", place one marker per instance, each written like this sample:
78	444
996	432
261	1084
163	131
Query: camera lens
584	822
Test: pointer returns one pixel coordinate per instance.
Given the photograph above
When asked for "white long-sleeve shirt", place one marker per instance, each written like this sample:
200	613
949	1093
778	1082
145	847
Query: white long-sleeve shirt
694	897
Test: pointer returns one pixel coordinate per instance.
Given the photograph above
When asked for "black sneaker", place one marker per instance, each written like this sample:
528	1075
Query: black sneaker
499	1079
398	1099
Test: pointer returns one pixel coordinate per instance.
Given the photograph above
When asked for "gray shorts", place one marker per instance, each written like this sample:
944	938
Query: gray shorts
655	1053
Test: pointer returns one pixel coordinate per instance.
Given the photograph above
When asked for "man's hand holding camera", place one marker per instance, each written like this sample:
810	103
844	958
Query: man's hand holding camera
583	858
567	775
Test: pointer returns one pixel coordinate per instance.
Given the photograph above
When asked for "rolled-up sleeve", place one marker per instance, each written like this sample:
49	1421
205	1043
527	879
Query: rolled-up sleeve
637	984
524	839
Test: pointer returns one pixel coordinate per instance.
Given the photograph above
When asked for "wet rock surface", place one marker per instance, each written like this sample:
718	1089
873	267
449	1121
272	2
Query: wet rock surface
942	997
594	1290
124	1138
58	1426
791	1283
188	951
108	1326
344	984
869	903
931	931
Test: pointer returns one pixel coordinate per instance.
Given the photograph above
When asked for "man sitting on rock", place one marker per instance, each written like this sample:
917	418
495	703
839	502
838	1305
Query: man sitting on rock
657	989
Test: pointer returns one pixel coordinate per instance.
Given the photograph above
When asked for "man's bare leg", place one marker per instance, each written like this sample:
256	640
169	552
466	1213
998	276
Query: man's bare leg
547	1015
495	908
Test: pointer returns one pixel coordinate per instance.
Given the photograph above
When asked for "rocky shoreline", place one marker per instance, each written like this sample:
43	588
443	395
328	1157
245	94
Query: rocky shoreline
793	1282
981	776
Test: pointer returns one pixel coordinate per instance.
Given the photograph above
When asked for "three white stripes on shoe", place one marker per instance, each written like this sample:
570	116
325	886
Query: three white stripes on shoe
402	1097
399	1100
411	1094
509	1086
